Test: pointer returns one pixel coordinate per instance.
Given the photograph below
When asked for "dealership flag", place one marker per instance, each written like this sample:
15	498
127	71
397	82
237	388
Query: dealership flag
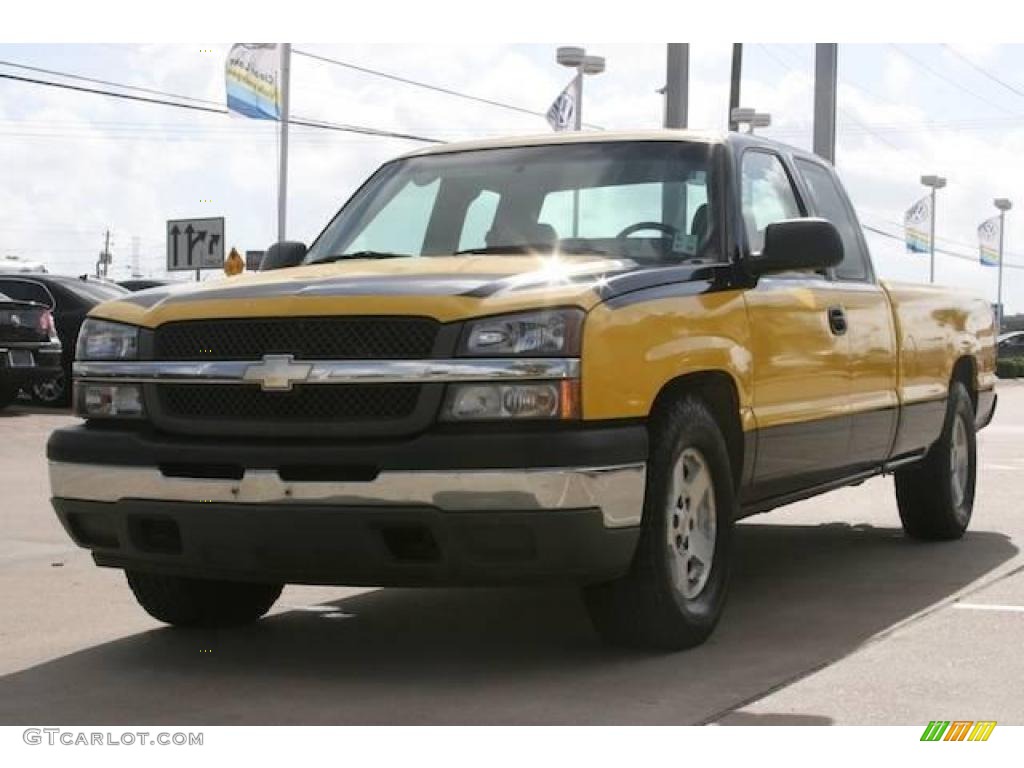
253	73
988	241
562	113
916	224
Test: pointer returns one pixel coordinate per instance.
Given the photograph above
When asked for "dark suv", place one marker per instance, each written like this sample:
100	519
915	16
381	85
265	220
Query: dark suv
69	299
29	349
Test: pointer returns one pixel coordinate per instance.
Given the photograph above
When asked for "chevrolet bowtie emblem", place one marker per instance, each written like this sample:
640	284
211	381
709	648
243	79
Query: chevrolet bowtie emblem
277	372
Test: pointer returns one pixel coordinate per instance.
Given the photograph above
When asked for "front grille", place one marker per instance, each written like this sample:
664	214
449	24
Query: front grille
310	404
306	338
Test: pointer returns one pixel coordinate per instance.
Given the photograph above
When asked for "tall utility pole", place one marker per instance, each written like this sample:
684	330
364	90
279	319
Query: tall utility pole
934	183
677	85
136	243
282	178
734	83
1003	205
104	260
825	75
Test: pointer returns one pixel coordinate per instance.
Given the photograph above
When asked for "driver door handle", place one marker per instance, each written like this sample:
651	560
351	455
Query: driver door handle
837	320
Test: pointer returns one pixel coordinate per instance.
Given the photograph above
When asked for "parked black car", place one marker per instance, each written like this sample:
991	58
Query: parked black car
69	299
142	283
29	348
1010	345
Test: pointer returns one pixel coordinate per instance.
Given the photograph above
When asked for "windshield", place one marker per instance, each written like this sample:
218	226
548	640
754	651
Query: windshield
647	201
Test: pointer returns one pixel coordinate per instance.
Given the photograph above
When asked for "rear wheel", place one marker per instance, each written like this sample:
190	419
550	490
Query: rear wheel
936	496
187	602
674	592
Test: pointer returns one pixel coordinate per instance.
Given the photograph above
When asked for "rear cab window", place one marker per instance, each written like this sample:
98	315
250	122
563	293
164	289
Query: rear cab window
830	203
27	290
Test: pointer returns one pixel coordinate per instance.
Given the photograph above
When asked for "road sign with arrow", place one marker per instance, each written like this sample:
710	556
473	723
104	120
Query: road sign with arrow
194	244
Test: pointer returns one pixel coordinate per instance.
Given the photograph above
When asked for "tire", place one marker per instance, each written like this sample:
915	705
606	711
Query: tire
661	603
206	603
54	392
936	495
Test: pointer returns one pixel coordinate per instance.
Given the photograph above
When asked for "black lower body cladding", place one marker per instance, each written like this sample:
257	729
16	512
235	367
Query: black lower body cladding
468	507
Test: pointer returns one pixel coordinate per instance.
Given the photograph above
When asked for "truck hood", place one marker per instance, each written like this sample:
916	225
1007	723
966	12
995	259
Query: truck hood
443	287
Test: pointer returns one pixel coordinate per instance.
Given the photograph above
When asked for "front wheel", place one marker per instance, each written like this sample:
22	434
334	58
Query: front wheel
936	495
207	603
674	592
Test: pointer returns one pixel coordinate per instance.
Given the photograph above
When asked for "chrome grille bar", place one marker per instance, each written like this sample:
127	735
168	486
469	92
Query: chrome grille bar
334	371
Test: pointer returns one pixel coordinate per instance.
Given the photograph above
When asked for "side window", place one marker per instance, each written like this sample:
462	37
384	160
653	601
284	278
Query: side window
478	221
24	290
767	195
830	203
401	226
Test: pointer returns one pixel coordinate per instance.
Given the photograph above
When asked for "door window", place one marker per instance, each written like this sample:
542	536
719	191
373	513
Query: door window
767	195
831	204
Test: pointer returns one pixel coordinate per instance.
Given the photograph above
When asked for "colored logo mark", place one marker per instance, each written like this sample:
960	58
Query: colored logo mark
958	730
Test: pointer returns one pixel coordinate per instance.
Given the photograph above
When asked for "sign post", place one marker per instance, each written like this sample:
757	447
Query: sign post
195	244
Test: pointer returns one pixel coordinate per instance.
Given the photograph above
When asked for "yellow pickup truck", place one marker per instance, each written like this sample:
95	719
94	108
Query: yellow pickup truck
574	358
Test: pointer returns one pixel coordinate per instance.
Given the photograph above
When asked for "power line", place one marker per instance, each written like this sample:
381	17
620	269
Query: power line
427	86
322	124
930	70
943	251
982	70
96	81
841	111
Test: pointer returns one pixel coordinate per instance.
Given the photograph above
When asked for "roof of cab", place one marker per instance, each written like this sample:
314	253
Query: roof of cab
733	138
570	137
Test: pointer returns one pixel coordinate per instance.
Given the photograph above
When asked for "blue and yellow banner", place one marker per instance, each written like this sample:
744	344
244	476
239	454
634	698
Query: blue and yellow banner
988	241
253	75
917	224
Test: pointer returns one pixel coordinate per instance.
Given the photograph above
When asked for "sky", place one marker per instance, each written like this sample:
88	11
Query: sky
74	165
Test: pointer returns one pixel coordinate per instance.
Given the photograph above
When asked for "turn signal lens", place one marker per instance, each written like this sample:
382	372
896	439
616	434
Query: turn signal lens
489	402
109	401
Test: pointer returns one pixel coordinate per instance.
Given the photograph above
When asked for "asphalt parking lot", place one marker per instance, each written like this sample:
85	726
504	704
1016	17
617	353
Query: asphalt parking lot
834	617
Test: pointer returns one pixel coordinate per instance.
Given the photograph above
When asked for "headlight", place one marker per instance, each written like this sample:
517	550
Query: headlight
493	401
104	340
546	333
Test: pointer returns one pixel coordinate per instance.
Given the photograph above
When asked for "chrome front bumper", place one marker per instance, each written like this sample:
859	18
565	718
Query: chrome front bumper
618	491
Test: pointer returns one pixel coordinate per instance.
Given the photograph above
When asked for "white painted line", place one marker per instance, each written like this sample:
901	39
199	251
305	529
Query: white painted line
985	607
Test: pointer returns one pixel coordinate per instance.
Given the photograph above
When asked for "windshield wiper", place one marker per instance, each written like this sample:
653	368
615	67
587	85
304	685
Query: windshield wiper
362	255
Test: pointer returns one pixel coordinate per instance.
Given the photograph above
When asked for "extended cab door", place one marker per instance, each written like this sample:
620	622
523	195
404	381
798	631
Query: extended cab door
801	353
870	328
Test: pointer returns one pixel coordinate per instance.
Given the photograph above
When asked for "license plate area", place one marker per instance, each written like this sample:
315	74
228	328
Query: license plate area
20	358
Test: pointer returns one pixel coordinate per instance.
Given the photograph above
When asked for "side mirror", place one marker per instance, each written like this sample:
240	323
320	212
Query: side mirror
282	255
797	244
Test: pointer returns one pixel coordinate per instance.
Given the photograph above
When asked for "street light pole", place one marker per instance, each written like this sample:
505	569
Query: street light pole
282	172
934	183
1003	205
677	85
577	58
